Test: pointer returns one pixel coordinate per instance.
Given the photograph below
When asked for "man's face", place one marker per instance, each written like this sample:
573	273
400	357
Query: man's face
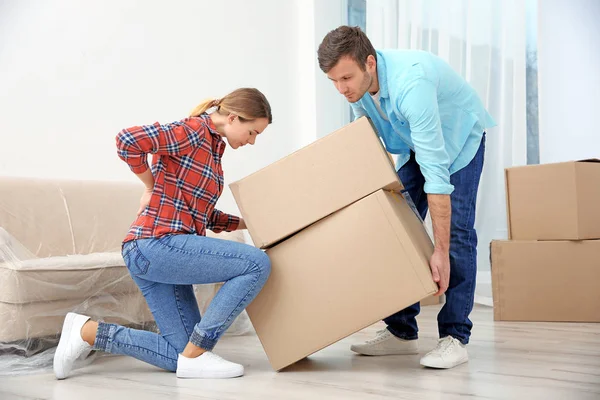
350	80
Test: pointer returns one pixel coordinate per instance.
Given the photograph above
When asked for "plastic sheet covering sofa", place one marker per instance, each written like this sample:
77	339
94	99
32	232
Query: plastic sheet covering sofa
59	252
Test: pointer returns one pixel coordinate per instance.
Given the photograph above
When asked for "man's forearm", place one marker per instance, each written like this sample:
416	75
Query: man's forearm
441	212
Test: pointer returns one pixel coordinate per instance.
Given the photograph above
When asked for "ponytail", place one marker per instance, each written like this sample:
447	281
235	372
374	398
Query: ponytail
247	103
205	105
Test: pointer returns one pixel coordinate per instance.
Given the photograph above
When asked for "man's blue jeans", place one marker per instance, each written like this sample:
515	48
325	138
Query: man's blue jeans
453	318
164	270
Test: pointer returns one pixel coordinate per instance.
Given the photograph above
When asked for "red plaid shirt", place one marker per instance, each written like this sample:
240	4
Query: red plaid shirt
188	177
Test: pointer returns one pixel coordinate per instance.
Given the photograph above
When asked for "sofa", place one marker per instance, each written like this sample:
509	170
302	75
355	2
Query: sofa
60	251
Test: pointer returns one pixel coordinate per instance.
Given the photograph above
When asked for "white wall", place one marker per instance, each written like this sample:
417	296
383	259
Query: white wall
73	73
569	79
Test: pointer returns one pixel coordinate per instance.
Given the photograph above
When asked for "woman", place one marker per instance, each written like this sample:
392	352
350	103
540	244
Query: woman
166	250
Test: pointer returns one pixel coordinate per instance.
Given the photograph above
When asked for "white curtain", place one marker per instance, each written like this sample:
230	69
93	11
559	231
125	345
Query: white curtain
485	41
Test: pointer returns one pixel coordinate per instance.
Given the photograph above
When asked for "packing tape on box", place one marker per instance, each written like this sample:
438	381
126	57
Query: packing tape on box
409	201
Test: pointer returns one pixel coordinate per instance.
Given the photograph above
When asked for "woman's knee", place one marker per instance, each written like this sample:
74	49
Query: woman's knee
262	263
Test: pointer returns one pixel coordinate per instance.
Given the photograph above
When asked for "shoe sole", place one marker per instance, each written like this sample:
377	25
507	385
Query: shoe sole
190	374
62	343
433	366
377	353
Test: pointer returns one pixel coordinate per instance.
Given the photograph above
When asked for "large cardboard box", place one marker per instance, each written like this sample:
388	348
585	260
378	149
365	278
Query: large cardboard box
433	301
554	201
340	275
313	182
546	280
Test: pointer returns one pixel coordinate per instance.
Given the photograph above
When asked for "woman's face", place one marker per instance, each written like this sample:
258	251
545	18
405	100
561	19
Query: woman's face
239	134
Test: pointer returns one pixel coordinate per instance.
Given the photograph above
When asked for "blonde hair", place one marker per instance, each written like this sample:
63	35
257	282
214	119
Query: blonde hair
247	103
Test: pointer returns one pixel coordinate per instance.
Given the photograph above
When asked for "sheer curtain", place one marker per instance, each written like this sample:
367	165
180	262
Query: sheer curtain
485	41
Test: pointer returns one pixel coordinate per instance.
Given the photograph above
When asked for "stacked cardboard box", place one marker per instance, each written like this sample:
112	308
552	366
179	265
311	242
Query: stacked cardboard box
550	268
346	249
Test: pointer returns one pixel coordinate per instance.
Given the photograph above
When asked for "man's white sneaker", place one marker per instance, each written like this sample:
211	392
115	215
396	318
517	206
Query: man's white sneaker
386	344
71	346
449	353
208	365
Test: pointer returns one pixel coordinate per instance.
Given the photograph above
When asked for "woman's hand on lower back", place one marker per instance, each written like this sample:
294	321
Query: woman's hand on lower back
144	201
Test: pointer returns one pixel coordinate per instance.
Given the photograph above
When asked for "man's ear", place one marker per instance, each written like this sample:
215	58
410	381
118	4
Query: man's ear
371	62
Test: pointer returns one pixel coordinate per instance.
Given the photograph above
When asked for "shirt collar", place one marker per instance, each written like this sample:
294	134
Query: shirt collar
382	76
218	144
211	127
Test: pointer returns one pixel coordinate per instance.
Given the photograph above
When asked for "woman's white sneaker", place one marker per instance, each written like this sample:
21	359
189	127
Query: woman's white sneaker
208	366
449	353
71	346
386	344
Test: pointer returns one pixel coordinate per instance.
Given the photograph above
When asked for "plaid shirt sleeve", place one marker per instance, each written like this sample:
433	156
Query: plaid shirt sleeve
220	221
177	138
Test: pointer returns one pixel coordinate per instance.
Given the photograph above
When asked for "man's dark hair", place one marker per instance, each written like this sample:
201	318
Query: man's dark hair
345	41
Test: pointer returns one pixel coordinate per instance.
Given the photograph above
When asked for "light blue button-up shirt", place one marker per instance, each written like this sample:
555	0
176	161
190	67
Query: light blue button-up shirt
431	110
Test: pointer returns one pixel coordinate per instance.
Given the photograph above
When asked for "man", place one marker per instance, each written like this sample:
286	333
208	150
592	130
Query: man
434	121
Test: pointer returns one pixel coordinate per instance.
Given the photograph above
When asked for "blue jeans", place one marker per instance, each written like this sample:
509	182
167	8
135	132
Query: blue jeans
453	318
165	270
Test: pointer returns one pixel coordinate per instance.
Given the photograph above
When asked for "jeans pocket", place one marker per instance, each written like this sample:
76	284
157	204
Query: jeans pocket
126	249
136	263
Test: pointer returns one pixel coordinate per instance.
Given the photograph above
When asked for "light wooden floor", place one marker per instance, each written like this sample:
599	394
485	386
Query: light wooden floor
508	361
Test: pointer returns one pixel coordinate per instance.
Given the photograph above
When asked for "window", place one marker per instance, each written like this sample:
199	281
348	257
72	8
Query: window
531	83
357	16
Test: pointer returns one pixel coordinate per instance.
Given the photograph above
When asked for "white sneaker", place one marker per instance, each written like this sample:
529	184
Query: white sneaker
449	353
385	344
71	345
208	365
